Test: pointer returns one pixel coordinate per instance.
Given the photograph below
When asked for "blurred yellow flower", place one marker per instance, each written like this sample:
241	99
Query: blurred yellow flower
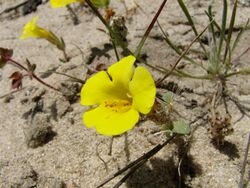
32	30
119	95
62	3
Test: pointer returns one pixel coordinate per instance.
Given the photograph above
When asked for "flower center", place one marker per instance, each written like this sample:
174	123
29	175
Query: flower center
117	105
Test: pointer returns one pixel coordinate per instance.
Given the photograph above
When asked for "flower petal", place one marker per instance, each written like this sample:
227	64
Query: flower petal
31	29
96	89
28	28
122	71
62	3
110	123
143	90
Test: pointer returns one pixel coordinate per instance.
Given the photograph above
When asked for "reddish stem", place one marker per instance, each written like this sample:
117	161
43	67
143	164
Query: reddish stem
32	74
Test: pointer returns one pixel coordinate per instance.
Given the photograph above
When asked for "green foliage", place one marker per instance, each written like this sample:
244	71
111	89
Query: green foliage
176	127
168	98
221	47
120	31
180	127
100	3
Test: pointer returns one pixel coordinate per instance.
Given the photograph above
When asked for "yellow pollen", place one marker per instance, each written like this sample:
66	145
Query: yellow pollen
117	105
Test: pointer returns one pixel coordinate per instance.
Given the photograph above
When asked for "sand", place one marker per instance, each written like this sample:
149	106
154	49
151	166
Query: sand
43	142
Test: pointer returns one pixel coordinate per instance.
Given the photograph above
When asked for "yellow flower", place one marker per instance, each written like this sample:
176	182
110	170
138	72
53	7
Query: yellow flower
62	3
31	29
119	95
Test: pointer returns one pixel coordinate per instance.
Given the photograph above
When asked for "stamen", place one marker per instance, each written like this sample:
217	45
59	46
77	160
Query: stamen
117	105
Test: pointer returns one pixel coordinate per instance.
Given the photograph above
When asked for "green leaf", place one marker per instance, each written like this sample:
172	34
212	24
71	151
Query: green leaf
180	127
62	43
223	27
212	29
236	41
191	22
168	98
100	3
245	71
229	35
120	32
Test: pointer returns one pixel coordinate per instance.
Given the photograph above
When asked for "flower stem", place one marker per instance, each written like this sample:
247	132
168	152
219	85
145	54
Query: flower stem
111	33
66	57
32	74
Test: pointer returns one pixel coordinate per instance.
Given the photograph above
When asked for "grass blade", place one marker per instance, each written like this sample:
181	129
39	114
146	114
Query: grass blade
176	49
239	36
168	41
210	16
111	33
230	31
181	56
223	28
145	36
190	20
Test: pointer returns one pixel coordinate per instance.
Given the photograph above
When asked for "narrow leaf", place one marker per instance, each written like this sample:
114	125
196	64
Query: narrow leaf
210	15
176	49
151	25
100	3
190	20
236	41
230	31
223	27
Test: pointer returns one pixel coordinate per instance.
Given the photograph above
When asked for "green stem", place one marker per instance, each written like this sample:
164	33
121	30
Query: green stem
182	55
186	75
182	74
223	28
66	57
111	33
177	50
145	36
115	49
230	31
210	16
236	73
190	20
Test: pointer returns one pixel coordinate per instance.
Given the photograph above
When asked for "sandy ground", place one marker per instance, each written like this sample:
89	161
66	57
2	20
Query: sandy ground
74	156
